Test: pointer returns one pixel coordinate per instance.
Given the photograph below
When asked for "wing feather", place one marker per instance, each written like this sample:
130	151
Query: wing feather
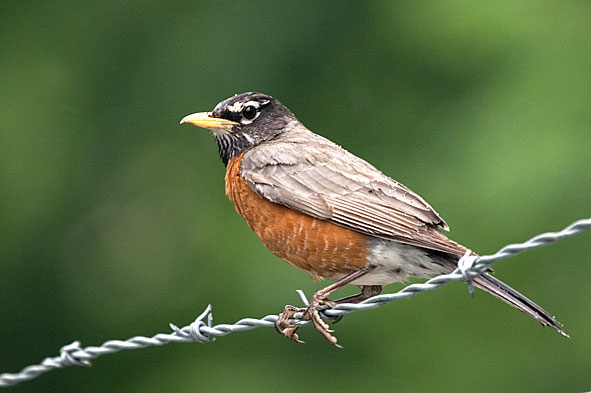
323	180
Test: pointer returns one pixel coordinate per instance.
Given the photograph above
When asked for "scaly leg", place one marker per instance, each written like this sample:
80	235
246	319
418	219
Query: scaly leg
311	313
367	291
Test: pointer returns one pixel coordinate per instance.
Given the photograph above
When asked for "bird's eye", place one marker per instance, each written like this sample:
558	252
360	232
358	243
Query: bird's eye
249	112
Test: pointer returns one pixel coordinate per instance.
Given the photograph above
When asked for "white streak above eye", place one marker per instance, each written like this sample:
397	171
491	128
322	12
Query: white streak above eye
238	106
235	107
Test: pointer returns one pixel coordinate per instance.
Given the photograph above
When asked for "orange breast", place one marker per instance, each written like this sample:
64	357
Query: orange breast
314	245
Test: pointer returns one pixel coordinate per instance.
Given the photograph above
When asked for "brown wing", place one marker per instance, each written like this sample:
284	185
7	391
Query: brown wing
310	174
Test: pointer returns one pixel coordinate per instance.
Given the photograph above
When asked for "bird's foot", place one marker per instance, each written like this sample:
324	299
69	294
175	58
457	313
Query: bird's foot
287	329
310	313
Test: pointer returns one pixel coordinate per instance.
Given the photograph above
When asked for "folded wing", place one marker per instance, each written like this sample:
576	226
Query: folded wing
327	182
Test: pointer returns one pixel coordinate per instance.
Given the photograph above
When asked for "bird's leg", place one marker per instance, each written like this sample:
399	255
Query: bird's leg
320	298
311	313
367	291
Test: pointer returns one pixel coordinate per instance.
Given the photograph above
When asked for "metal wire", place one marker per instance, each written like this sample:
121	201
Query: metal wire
201	330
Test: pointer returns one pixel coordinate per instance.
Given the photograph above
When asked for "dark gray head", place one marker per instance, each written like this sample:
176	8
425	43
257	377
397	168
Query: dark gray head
243	121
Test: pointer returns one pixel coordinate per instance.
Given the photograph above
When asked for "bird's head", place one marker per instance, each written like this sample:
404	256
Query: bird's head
243	121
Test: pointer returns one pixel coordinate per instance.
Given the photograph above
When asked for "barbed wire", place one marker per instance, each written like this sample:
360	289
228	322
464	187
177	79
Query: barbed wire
202	330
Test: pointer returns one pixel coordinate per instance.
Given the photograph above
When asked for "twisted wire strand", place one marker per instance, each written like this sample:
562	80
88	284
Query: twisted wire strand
202	329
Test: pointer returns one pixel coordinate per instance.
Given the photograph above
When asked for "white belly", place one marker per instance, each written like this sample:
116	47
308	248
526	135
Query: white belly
396	262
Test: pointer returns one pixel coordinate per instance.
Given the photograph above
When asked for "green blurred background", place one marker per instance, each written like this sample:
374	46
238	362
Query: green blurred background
113	219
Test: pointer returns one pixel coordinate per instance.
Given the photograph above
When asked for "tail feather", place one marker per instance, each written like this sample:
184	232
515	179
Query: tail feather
510	296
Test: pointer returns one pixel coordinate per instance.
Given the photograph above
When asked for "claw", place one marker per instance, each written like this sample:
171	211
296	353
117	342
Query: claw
285	328
311	313
290	333
322	328
314	315
319	299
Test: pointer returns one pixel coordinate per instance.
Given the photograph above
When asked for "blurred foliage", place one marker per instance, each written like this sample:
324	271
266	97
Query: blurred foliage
113	219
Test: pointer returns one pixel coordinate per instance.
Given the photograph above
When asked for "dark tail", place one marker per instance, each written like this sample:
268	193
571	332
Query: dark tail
510	296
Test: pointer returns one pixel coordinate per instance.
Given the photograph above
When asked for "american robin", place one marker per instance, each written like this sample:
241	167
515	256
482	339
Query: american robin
328	212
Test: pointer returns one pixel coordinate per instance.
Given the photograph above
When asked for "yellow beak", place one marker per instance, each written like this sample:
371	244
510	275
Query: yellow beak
206	120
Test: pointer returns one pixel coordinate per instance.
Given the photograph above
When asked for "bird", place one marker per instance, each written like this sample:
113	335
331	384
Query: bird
324	210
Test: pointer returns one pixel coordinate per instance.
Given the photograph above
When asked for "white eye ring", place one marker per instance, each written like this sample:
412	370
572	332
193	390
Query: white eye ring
249	112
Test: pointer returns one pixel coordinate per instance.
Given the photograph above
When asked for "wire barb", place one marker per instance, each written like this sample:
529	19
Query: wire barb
465	264
193	331
469	267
